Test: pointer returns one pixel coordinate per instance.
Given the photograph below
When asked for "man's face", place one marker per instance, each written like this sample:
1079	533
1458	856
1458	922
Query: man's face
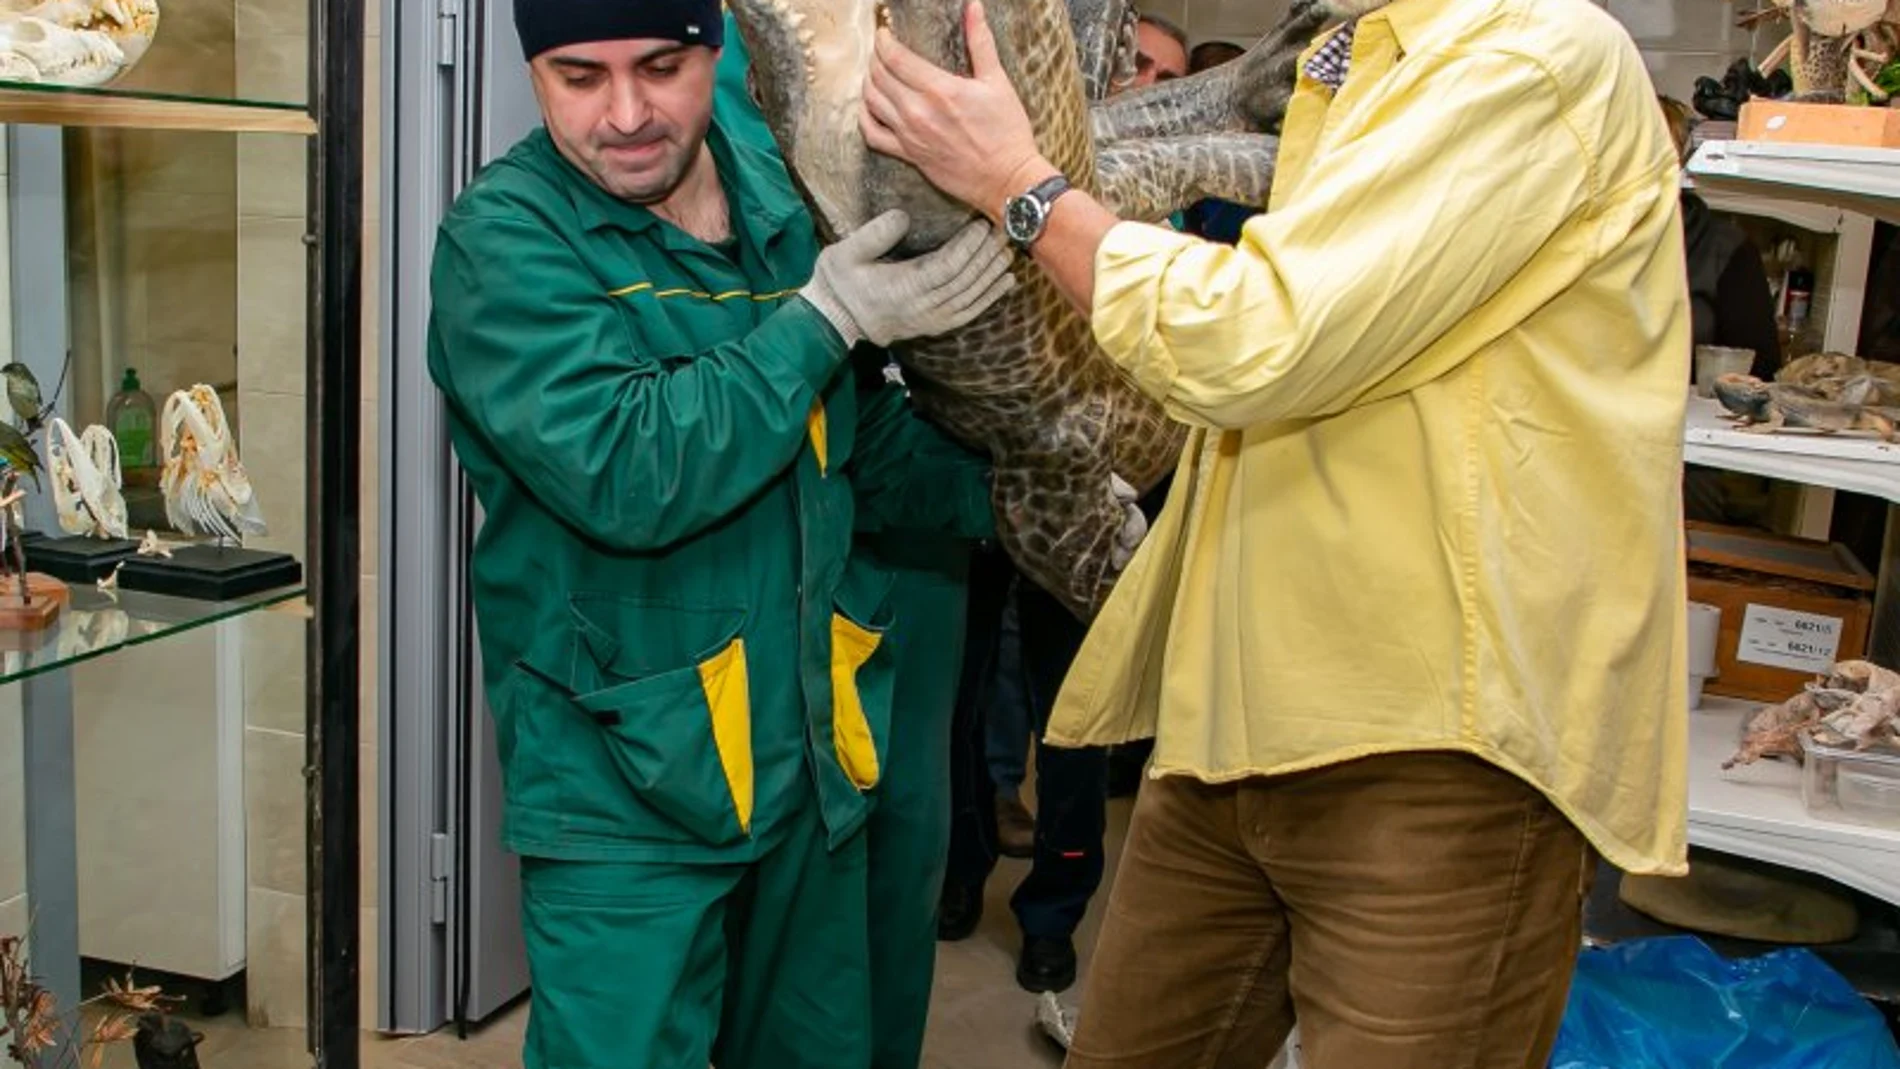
1158	57
630	114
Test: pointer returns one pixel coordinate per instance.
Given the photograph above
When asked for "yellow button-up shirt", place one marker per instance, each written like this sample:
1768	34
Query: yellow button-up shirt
1432	501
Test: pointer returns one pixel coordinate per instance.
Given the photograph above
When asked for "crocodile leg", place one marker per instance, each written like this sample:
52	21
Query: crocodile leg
1104	43
1248	95
1149	180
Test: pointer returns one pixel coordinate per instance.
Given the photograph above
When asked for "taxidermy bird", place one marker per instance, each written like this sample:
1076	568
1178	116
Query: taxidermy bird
86	480
206	489
18	453
23	393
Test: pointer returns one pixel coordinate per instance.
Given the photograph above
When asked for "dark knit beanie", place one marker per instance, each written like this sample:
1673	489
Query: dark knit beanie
545	24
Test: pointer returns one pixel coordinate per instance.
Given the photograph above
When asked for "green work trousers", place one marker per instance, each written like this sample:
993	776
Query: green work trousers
909	830
666	965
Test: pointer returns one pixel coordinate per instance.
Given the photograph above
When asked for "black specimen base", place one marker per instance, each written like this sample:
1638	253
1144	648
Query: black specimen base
78	559
211	573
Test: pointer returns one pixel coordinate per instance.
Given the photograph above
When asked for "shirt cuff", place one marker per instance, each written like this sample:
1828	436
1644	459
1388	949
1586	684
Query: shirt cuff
1129	269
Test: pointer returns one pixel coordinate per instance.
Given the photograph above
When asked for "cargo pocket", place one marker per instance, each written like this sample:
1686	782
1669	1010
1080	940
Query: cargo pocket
862	678
681	738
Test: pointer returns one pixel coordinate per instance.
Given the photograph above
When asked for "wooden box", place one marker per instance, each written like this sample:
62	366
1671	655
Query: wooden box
1825	124
1791	607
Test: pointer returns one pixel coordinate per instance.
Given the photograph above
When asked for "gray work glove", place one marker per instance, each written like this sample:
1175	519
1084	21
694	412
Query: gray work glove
874	300
1134	526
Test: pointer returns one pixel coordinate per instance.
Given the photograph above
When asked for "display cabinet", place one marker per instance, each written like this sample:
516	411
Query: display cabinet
179	707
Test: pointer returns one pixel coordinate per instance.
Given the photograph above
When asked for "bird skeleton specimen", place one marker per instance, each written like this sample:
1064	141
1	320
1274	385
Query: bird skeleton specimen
74	42
87	481
206	489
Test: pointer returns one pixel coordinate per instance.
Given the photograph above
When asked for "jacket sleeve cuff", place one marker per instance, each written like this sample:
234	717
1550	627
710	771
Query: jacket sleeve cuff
809	348
1130	268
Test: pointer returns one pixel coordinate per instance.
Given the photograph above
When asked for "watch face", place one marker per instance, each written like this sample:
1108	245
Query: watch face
1022	219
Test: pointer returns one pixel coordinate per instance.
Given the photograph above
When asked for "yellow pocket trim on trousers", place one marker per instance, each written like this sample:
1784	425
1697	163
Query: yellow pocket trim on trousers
851	647
723	678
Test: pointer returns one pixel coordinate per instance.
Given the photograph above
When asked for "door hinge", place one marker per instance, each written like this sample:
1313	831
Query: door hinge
447	14
440	861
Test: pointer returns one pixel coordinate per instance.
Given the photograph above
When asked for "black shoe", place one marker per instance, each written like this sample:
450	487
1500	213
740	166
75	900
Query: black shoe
1046	964
958	912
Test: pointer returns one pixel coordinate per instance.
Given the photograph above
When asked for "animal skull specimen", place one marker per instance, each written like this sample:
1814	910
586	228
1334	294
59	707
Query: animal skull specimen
86	480
206	489
74	42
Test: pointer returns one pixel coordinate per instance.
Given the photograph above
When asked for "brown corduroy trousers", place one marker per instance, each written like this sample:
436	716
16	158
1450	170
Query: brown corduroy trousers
1415	911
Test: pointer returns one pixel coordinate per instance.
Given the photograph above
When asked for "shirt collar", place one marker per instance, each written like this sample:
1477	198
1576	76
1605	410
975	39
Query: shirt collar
1409	22
1413	20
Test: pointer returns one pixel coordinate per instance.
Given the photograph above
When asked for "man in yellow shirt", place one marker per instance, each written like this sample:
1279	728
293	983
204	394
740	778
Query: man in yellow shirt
1409	634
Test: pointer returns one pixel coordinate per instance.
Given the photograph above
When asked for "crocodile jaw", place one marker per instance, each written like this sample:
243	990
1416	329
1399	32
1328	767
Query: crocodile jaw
810	59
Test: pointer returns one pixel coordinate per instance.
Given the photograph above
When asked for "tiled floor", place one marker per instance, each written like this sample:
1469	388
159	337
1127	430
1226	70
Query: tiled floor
980	1019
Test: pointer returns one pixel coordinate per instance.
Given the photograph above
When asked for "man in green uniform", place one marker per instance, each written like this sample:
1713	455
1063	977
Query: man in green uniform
645	357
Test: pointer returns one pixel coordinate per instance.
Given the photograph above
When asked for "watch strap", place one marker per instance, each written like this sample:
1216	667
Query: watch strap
1050	188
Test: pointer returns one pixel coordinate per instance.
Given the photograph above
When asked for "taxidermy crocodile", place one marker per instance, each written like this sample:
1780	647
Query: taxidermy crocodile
1025	382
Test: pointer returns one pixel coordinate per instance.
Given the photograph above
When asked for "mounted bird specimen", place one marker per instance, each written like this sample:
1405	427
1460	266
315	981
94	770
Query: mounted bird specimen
16	452
23	395
206	489
87	481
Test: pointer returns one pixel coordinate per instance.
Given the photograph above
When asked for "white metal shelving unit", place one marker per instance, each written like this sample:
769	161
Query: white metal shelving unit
1756	811
1857	464
1863	180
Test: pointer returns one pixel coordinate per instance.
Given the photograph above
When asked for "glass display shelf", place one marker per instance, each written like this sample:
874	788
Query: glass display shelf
33	103
96	622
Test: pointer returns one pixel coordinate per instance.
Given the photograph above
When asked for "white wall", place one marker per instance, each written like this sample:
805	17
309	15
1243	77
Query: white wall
1681	39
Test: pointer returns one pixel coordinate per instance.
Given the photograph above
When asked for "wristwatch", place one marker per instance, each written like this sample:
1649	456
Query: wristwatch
1026	214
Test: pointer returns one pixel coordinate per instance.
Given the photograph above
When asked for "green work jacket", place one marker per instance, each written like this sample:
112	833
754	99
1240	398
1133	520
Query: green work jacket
670	451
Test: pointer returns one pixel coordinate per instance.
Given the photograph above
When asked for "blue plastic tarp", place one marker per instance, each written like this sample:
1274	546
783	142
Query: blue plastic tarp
1674	1003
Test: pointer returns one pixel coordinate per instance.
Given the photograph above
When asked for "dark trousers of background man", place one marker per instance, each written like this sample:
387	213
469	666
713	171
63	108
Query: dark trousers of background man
1071	784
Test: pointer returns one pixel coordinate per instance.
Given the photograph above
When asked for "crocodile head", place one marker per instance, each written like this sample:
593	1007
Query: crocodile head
809	61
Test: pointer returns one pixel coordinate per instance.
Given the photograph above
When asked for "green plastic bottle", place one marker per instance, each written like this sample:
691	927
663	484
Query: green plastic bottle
132	418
